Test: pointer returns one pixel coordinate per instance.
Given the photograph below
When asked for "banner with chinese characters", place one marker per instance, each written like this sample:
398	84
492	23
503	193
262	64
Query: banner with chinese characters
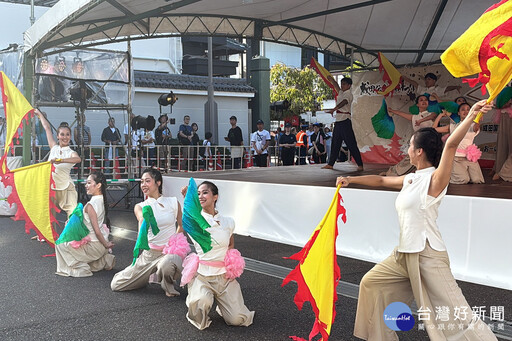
367	103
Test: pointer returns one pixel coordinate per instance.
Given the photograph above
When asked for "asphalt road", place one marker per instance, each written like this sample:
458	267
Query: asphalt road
36	304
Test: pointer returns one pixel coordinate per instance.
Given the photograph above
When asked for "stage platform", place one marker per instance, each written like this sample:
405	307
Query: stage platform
285	204
313	175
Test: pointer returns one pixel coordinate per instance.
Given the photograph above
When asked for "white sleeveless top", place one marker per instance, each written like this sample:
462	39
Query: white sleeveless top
417	213
165	210
467	140
425	124
97	203
62	173
221	228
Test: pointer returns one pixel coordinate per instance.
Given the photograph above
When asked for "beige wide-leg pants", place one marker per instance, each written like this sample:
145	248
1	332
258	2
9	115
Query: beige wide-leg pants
67	199
82	262
506	170
167	267
426	277
203	290
465	171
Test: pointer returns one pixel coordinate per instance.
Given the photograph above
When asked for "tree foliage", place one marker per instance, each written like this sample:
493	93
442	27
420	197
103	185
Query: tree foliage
302	88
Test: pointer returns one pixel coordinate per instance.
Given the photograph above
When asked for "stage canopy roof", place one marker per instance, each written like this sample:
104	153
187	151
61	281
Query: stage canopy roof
408	32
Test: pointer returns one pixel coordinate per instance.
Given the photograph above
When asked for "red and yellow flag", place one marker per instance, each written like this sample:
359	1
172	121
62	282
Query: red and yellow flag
31	191
484	49
391	75
317	274
324	74
17	109
31	185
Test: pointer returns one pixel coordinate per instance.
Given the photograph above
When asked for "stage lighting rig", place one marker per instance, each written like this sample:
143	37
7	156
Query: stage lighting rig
167	99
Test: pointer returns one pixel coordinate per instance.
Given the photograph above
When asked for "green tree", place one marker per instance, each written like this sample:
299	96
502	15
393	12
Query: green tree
304	89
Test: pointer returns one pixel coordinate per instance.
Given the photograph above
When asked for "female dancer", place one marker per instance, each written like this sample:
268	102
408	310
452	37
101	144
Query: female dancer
419	267
167	212
83	260
64	158
465	167
210	282
422	120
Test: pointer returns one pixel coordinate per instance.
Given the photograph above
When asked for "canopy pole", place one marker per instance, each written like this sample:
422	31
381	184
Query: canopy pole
32	17
211	115
129	111
28	85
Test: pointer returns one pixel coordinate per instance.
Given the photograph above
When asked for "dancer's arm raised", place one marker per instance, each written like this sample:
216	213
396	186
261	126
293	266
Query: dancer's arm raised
47	128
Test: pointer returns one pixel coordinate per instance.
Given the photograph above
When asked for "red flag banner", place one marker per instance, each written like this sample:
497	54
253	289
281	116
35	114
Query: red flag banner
324	74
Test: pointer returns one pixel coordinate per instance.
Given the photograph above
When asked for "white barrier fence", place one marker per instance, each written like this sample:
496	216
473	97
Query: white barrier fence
169	158
476	230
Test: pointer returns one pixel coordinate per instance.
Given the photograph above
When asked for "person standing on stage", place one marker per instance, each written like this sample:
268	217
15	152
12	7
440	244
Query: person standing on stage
260	140
287	143
419	267
167	212
210	282
93	255
343	127
63	158
236	141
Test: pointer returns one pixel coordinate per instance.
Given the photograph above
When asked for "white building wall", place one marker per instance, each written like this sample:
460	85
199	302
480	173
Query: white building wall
192	103
145	103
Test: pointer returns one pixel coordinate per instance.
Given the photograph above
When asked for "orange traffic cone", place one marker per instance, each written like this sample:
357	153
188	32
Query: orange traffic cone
117	171
247	159
218	165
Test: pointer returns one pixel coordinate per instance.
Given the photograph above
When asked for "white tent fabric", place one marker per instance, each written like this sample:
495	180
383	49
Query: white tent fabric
408	31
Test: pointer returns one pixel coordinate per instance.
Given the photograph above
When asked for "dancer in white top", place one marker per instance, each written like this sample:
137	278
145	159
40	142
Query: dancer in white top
422	120
465	167
210	282
81	260
64	158
167	213
419	267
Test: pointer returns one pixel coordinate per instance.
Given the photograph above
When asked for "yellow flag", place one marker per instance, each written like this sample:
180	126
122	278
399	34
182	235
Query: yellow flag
16	108
484	49
318	274
391	75
32	194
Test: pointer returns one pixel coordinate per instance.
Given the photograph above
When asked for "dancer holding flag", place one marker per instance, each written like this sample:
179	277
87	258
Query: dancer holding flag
419	267
80	257
163	245
211	272
63	158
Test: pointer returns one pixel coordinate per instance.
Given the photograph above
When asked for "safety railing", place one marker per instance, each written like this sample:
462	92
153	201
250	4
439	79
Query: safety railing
113	160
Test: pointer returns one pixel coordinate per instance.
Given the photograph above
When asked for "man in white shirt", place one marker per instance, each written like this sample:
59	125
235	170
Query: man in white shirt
343	126
433	90
260	140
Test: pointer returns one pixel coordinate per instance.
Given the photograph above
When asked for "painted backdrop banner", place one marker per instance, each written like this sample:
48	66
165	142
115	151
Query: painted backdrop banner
367	103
